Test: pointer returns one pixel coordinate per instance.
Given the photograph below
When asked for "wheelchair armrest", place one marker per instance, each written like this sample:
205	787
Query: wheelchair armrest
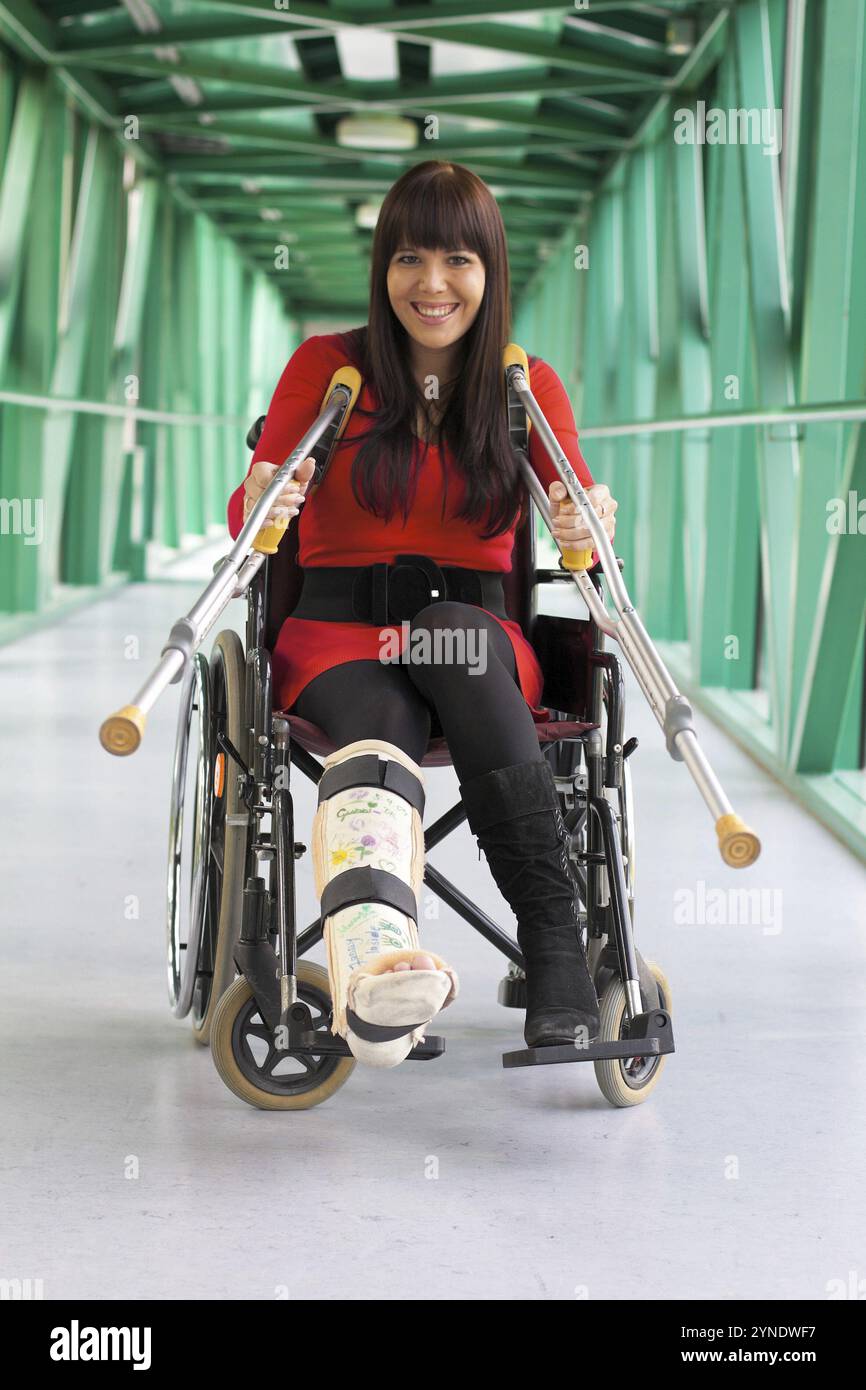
562	575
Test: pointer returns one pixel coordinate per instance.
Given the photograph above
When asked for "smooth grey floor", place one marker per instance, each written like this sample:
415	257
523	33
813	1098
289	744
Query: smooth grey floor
741	1177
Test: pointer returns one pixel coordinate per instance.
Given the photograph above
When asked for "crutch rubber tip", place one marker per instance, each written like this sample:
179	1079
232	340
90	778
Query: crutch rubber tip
121	733
738	844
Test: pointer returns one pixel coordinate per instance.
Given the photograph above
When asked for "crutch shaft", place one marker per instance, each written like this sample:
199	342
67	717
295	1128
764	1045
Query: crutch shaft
739	846
122	732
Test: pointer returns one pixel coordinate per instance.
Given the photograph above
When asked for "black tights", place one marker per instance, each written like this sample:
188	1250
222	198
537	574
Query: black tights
482	712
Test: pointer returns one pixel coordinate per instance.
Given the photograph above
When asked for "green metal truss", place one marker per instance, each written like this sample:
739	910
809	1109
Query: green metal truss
714	289
538	97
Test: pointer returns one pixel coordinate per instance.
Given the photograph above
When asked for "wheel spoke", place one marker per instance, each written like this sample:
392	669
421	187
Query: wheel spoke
319	1017
248	1055
306	1063
217	855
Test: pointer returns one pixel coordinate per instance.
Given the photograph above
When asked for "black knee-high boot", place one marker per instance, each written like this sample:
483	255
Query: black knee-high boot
514	814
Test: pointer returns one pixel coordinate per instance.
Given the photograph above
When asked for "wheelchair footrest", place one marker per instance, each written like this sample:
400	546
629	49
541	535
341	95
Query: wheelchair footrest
651	1036
332	1045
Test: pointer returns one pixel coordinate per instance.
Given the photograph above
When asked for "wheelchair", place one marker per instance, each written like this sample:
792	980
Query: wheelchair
232	854
236	962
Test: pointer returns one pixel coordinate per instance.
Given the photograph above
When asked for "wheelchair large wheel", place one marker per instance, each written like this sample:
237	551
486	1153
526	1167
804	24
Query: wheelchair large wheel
629	1080
207	840
243	1049
228	843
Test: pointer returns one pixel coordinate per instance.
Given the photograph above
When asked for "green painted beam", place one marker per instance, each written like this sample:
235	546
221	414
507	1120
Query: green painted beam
23	465
726	642
638	393
528	43
694	364
19	167
262	135
581	133
265	90
663	595
445	11
117	36
833	353
128	551
269	77
837	633
67	376
541	180
769	298
94	493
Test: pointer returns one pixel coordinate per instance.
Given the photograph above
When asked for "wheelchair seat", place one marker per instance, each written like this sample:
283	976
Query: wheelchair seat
562	645
311	737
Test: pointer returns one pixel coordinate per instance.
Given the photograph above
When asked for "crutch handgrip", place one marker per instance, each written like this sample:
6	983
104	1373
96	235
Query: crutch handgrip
576	559
739	846
267	542
121	733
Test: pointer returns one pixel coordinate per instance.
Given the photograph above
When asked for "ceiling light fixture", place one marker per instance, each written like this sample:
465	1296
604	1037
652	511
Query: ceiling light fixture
367	215
374	132
680	36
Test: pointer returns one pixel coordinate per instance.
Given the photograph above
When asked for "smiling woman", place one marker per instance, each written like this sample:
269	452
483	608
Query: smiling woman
433	446
440	310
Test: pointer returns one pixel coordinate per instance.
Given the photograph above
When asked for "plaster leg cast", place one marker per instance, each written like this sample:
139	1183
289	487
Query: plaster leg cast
368	865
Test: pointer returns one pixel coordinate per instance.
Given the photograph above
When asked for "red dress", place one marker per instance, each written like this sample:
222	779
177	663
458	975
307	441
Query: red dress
334	530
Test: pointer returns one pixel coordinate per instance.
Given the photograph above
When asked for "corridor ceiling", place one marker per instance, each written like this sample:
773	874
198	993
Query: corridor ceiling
238	103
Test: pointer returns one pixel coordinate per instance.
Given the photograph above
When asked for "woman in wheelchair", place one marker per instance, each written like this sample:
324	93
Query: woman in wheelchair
401	630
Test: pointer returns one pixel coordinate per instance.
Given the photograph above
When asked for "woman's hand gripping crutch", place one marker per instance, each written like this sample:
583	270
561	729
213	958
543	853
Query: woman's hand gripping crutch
288	503
568	528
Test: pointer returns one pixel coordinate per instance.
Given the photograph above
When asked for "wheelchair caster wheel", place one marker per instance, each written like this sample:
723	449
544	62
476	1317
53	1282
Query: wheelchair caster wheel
251	1066
628	1080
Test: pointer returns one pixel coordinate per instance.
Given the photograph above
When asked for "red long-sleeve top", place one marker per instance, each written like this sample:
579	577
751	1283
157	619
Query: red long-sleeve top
334	530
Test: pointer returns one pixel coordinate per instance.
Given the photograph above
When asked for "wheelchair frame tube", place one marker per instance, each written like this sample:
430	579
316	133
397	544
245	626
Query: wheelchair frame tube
122	732
739	846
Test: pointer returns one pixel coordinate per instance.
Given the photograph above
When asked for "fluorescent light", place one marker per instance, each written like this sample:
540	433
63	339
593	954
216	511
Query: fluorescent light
377	132
680	36
367	215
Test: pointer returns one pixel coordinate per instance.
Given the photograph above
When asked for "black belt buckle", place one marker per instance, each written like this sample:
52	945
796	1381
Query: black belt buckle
414	581
384	593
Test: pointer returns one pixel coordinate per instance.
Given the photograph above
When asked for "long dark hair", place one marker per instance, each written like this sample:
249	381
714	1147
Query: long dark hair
437	205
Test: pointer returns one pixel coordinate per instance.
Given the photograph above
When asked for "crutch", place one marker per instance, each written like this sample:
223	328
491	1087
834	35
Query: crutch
121	733
739	846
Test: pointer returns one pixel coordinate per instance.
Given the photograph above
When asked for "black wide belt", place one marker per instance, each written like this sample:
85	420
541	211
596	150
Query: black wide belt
393	593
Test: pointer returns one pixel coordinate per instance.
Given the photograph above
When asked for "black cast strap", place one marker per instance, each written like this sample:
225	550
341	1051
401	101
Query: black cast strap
369	770
365	885
379	1032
